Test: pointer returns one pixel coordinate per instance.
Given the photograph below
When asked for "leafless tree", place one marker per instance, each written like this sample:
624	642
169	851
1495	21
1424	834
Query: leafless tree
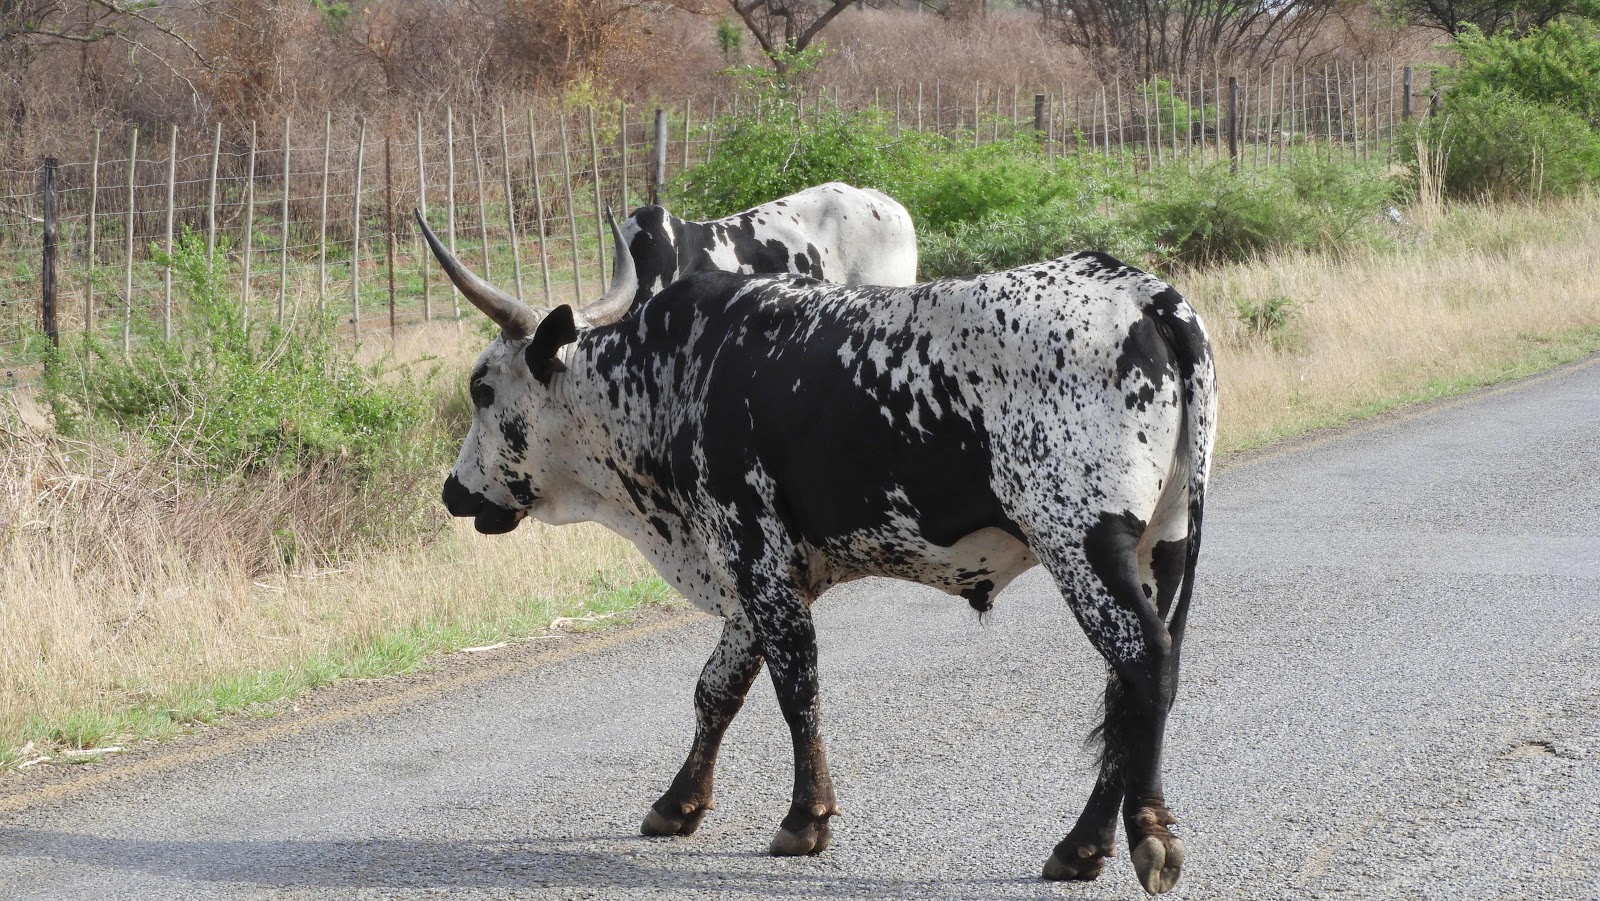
1491	16
147	27
783	27
1141	38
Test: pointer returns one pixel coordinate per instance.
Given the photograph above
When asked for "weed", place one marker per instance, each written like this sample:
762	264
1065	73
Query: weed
1266	318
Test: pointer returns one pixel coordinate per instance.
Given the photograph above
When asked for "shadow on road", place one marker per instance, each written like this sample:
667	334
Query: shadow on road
630	864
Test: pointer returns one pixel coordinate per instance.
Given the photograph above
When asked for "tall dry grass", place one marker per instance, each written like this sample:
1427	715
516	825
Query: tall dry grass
1484	293
131	602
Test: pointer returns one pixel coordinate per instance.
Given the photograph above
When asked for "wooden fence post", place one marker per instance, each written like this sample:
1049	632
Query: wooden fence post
622	140
166	276
711	128
355	237
1122	131
977	103
94	198
1405	96
483	208
127	295
47	301
1172	124
919	106
322	222
1105	123
1038	113
283	231
422	205
388	219
211	206
1233	122
249	225
599	203
658	172
450	201
511	208
538	202
688	111
572	214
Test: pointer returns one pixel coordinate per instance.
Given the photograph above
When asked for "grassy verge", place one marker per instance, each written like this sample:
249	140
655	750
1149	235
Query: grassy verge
198	651
104	643
1475	296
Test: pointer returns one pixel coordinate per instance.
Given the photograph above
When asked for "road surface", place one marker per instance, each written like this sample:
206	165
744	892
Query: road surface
1391	689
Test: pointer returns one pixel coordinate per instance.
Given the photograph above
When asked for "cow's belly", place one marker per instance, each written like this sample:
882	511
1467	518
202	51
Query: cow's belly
976	567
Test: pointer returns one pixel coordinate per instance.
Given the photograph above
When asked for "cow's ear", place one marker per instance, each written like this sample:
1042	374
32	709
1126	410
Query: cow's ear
554	331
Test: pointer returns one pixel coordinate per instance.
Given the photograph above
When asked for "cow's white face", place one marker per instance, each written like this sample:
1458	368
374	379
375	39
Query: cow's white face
509	461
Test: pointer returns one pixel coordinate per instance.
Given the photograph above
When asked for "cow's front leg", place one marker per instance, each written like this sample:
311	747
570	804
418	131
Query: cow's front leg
724	682
789	642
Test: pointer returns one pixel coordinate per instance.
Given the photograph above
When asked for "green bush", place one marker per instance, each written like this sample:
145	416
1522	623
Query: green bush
971	184
232	394
1556	66
1210	215
1009	239
1268	318
776	150
1500	144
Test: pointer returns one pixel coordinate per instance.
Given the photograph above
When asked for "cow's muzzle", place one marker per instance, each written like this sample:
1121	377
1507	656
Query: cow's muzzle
488	517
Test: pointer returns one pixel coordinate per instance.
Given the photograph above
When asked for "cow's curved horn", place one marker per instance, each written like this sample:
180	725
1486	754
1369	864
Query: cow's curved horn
514	317
618	298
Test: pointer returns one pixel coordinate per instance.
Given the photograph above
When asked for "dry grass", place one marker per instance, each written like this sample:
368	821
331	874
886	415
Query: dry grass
1487	293
130	605
133	604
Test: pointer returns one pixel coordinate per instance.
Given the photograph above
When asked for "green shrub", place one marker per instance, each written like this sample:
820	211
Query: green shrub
1500	144
1268	318
778	148
1556	66
968	185
1339	200
1211	215
235	395
1008	239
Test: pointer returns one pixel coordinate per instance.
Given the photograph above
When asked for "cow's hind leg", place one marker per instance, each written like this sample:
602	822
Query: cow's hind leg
1101	580
1082	854
724	682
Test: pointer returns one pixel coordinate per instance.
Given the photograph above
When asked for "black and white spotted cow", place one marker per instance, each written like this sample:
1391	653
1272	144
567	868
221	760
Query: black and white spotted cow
763	438
833	232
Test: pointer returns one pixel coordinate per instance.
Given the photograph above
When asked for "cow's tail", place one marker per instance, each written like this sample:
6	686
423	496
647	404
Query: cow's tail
1180	325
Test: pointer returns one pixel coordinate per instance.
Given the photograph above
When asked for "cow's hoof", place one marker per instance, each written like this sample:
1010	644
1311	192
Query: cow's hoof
813	838
1158	861
1081	862
685	822
1158	856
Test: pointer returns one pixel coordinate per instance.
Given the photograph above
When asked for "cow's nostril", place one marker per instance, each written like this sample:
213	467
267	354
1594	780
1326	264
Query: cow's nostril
458	500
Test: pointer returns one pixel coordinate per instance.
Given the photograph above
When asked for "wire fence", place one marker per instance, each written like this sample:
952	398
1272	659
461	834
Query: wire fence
303	213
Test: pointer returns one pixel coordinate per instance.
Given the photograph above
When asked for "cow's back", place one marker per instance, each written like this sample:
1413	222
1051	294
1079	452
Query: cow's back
868	236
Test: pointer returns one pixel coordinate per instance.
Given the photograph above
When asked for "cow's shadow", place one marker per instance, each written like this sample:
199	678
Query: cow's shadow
634	867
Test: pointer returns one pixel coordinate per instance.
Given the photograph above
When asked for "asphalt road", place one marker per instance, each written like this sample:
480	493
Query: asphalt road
1391	690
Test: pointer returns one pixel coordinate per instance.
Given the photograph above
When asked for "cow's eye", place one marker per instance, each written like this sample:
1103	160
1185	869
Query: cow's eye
482	394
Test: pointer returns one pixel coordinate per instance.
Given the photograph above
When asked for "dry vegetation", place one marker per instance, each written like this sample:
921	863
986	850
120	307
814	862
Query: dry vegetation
124	592
1481	293
127	591
265	61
